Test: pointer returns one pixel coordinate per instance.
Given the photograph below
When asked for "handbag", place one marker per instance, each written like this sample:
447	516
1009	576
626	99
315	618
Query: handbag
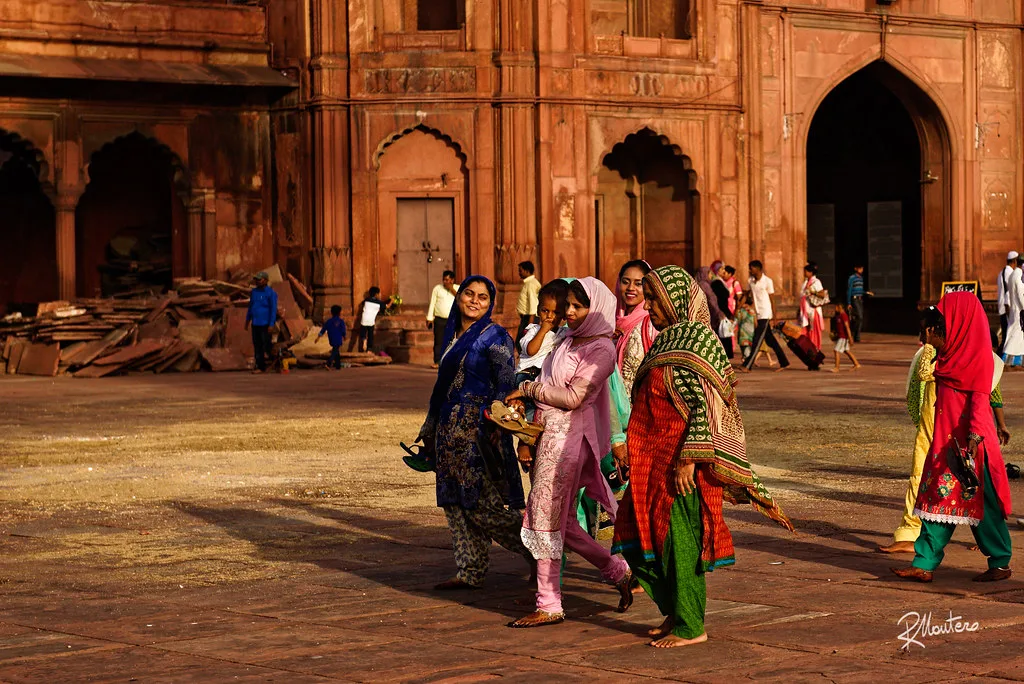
817	299
963	467
726	328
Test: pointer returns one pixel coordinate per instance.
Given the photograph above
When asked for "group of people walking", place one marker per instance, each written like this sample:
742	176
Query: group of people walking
640	381
644	365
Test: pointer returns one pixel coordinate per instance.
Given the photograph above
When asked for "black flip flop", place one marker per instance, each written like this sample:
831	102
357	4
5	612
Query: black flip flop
416	460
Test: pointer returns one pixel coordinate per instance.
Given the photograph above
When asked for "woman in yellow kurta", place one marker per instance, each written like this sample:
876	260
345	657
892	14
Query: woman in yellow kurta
921	406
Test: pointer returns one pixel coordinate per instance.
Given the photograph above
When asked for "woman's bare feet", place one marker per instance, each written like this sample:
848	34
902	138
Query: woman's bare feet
834	370
857	367
662	629
672	641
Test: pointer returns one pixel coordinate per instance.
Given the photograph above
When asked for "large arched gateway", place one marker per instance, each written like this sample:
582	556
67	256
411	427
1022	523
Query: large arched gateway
878	173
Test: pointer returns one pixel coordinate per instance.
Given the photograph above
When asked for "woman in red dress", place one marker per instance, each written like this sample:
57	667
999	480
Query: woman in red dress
958	329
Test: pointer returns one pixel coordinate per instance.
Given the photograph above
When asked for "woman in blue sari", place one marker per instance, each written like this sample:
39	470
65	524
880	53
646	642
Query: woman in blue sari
478	481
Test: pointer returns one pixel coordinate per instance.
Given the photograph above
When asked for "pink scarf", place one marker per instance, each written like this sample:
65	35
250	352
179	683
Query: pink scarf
625	324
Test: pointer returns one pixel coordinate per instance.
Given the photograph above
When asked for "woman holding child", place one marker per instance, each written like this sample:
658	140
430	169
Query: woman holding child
478	481
573	404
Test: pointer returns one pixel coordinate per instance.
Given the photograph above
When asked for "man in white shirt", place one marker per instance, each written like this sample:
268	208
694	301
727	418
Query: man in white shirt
762	288
441	301
527	305
1003	295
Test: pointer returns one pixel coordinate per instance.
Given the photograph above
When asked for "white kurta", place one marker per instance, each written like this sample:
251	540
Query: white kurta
1014	345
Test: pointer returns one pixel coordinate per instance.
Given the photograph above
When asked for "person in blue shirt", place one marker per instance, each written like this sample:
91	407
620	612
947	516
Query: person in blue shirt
262	316
334	328
855	294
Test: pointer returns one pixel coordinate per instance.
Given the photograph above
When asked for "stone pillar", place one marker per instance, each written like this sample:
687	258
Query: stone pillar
516	144
328	141
332	254
202	233
65	205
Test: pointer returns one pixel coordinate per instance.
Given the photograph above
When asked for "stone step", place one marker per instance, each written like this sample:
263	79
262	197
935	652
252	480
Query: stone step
419	338
420	356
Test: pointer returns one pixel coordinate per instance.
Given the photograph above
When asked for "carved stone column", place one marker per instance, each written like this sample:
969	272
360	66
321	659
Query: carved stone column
516	144
65	204
328	141
202	233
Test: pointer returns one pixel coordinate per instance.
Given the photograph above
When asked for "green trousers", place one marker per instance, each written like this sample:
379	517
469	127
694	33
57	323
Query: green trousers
991	534
676	580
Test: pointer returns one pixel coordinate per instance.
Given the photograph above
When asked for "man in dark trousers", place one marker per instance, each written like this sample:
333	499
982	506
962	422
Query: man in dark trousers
441	301
762	288
262	316
855	294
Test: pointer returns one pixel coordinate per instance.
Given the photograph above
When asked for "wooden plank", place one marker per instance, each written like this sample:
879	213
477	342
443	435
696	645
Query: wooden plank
197	332
40	359
95	371
15	355
224	359
126	355
187	363
286	301
235	335
181	350
302	295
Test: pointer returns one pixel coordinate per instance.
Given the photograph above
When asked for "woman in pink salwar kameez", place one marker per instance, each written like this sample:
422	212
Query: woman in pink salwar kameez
573	404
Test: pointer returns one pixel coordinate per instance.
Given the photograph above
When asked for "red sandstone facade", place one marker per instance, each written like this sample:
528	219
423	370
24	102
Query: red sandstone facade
474	134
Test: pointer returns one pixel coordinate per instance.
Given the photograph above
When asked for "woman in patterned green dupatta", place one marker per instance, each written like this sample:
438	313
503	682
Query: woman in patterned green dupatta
687	455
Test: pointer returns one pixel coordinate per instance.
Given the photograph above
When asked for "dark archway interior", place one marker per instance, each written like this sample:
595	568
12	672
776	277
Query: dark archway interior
130	224
28	260
651	199
864	196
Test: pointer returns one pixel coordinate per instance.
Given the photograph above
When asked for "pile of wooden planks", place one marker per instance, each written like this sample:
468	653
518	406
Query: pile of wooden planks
199	324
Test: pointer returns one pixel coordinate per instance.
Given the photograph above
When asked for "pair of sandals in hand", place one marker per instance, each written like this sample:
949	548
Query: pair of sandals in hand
511	419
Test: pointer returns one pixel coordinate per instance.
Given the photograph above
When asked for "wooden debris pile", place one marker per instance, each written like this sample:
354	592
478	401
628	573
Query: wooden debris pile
200	324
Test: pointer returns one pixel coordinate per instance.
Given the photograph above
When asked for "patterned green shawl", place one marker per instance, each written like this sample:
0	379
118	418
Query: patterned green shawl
702	389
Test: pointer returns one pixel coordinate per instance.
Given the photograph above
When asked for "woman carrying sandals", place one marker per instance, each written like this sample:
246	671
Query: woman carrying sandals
572	400
687	455
478	481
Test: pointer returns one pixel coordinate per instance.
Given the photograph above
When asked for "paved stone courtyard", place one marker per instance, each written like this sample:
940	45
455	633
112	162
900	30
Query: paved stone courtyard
235	527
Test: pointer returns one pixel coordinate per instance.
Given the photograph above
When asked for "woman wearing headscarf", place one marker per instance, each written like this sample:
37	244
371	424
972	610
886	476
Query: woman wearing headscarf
634	333
811	318
633	336
688	455
478	481
572	401
963	419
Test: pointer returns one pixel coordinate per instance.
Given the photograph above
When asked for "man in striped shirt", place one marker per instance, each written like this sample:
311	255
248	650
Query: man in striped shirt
855	294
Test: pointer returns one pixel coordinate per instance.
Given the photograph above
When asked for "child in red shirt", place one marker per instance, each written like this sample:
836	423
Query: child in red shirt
842	336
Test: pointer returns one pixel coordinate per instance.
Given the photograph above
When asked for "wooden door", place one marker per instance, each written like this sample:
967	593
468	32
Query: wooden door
426	246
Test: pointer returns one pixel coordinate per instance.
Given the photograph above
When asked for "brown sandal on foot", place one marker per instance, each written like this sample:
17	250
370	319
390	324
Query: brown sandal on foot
538	618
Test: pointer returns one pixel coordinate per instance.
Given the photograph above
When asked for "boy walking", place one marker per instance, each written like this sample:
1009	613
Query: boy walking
761	290
261	317
334	328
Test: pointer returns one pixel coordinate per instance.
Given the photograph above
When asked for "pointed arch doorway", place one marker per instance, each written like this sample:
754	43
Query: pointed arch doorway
646	205
878	170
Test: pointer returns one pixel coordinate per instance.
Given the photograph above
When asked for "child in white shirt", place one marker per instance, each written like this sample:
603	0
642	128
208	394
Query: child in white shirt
539	340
